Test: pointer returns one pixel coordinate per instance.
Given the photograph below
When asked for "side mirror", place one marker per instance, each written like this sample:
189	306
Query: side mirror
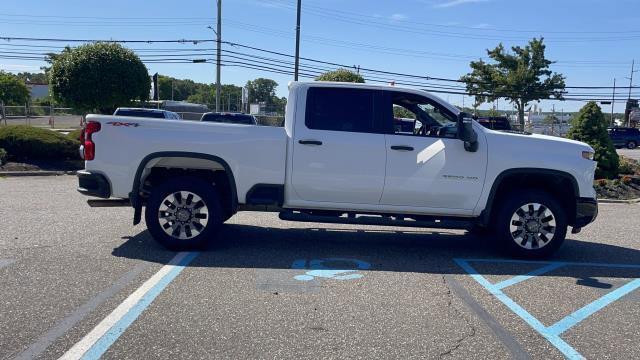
466	132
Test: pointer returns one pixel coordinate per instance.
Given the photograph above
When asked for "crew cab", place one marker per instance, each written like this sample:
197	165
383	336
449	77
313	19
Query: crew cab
341	158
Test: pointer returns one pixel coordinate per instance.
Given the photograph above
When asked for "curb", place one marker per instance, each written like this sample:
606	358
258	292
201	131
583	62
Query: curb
613	201
35	173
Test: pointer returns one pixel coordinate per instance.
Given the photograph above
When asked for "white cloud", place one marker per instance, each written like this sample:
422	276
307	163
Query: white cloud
481	26
398	17
452	3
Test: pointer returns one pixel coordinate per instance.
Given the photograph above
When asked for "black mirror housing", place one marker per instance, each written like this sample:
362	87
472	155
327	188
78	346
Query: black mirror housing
466	132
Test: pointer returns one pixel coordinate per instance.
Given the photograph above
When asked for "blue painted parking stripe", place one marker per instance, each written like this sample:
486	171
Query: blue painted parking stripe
555	340
520	278
105	342
98	340
568	263
588	310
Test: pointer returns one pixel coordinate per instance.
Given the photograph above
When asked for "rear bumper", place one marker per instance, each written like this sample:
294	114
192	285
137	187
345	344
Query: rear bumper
586	212
93	184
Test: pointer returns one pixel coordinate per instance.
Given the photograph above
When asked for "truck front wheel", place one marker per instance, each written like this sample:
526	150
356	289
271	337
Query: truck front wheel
531	224
183	213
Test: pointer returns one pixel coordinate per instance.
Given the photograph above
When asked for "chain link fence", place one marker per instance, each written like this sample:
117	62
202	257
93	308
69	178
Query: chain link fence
40	116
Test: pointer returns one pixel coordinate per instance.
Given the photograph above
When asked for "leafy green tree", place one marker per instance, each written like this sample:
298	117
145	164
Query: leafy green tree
39	78
261	90
13	91
341	75
520	77
99	77
590	126
400	112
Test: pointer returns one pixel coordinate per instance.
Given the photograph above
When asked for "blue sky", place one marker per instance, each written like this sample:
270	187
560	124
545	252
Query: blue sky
592	40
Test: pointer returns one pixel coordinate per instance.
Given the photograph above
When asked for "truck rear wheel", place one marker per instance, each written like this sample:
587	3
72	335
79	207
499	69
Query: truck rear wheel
531	224
183	213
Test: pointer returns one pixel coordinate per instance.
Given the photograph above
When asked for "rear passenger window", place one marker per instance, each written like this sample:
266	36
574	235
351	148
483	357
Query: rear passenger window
340	109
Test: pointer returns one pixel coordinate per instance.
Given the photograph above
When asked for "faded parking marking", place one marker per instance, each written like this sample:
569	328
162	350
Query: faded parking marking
330	268
98	341
551	333
6	262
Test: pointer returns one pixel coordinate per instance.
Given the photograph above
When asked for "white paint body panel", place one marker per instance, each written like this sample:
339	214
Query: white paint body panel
255	154
350	171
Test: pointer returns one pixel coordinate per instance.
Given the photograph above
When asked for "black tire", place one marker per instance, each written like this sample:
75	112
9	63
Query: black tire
631	144
158	216
521	241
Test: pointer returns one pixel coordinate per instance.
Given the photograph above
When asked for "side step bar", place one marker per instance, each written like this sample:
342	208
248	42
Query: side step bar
358	219
108	202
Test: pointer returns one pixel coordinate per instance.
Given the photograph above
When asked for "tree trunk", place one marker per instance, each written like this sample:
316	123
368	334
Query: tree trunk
520	107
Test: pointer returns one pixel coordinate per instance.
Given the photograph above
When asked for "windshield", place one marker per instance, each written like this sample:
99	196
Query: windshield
140	113
229	118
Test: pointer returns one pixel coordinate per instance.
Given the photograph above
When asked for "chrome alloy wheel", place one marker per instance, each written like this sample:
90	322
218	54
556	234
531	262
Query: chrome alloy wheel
183	215
532	226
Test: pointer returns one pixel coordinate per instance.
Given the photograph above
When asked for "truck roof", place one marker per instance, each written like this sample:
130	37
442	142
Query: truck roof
295	84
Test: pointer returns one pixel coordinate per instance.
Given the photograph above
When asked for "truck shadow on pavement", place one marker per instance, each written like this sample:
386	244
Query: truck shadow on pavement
418	251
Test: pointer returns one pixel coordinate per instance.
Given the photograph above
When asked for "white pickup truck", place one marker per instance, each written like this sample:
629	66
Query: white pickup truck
342	157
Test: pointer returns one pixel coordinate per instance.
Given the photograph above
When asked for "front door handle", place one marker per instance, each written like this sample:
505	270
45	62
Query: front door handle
401	148
310	142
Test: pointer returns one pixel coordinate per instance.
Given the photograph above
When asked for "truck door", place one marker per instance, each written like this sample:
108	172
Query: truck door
338	155
427	165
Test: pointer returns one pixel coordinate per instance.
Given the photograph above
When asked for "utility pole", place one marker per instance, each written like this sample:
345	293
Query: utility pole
613	100
219	45
295	72
631	78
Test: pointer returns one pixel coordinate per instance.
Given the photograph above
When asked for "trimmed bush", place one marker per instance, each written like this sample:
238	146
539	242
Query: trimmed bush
590	126
627	179
74	135
30	143
3	156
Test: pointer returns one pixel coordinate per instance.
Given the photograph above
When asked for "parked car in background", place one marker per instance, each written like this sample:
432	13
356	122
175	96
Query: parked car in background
231	118
147	113
495	123
625	137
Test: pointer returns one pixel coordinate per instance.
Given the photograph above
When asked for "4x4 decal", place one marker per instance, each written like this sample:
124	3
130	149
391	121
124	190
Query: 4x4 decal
127	124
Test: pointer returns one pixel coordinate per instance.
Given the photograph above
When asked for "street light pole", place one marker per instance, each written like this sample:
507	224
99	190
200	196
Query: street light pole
295	72
613	100
219	45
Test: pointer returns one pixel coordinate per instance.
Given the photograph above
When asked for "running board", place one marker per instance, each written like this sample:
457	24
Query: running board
390	220
108	202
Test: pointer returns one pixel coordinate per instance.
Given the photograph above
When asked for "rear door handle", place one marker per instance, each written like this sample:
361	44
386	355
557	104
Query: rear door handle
310	142
401	148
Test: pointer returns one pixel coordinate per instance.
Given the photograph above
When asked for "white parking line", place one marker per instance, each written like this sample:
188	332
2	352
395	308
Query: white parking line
96	342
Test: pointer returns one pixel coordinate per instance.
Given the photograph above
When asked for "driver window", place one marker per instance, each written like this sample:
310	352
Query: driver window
414	115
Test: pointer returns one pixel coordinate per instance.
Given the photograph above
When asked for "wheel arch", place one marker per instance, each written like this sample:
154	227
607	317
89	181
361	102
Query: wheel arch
559	183
215	163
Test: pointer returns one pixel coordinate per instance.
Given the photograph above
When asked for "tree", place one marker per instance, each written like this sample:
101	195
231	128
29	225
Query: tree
341	75
98	77
520	77
39	78
590	126
13	91
261	90
401	112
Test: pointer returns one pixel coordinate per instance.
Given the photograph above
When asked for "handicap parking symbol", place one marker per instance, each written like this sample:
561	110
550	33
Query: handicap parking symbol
330	268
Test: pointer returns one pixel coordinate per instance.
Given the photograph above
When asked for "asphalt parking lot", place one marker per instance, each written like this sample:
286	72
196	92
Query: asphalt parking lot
630	153
83	282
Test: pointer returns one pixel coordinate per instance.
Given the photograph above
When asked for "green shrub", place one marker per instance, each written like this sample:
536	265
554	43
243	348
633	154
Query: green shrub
3	156
74	135
30	143
590	126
